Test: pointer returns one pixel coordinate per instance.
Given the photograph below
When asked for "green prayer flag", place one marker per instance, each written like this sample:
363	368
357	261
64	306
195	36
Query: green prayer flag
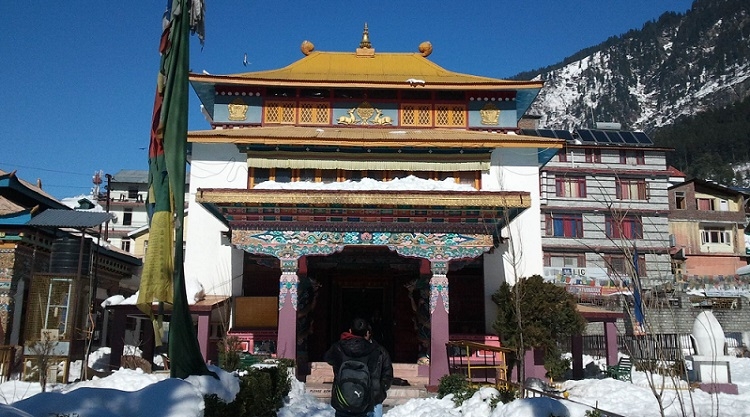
163	277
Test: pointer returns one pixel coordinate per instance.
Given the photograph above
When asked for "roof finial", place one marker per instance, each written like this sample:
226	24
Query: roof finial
365	43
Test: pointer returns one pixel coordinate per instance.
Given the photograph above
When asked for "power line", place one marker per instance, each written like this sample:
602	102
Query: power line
43	169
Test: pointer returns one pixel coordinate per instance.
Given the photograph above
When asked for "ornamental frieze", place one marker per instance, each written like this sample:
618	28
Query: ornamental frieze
363	115
439	248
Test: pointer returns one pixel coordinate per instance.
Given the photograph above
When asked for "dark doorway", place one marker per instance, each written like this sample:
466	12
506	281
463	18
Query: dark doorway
367	282
359	302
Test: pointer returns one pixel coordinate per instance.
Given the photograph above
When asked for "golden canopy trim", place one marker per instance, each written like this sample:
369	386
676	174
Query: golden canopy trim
479	199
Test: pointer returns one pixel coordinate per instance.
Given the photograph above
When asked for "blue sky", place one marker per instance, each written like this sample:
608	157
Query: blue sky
79	76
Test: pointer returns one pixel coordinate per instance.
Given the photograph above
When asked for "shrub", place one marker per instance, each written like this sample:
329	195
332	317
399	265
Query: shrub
262	393
507	395
555	364
457	385
593	413
229	353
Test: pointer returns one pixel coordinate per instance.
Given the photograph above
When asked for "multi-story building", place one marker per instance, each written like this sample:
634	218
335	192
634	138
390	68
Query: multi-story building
706	225
127	192
604	205
350	183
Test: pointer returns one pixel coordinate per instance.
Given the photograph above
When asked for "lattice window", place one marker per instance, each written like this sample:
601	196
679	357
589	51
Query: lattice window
314	113
53	300
416	115
280	112
450	115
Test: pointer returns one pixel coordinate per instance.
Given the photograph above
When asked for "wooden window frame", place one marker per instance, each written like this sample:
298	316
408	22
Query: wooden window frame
564	187
417	108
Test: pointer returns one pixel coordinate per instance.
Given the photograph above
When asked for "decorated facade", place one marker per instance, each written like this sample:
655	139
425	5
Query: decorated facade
364	184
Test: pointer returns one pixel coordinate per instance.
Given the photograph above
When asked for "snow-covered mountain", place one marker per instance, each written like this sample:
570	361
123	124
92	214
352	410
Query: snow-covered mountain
679	65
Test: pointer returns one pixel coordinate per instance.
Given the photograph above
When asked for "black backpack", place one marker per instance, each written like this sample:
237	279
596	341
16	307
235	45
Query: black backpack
352	389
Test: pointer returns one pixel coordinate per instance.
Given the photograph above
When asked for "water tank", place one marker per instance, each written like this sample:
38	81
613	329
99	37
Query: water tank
608	126
65	254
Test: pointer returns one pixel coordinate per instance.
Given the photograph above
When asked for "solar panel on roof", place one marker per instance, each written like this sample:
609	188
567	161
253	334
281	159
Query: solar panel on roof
546	133
586	135
563	134
642	138
614	137
529	132
600	136
629	138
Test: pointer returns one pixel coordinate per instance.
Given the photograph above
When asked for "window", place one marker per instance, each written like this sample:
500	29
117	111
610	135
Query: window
621	265
133	194
716	235
570	187
632	157
625	227
563	260
280	112
450	115
127	217
307	175
314	113
679	200
562	155
626	189
564	225
416	115
705	204
125	245
594	155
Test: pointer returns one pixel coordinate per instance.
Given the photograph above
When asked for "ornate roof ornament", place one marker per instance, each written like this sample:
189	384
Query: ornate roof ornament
365	43
425	48
307	47
365	47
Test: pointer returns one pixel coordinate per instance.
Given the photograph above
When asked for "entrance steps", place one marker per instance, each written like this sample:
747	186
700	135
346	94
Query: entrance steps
320	380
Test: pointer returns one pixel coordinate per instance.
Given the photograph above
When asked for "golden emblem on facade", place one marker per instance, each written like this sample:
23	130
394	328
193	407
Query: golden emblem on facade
363	115
237	109
490	114
365	112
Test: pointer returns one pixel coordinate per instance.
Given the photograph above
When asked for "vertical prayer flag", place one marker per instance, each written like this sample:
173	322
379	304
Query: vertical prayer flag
163	277
637	300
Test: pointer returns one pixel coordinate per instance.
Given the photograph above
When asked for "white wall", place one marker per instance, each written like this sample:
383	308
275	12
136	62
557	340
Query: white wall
513	169
209	259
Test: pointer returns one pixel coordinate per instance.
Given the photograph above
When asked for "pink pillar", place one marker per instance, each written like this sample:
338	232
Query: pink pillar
287	342
610	336
439	332
203	334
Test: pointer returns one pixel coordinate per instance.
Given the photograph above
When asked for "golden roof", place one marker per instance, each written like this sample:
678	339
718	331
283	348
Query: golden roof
381	70
369	137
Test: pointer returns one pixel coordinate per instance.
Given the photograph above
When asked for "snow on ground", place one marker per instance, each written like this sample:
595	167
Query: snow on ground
134	393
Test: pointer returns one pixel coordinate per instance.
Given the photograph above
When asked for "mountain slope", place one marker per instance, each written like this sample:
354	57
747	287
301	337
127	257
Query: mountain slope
677	66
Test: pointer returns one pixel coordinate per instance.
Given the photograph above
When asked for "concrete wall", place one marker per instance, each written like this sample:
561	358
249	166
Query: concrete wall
209	259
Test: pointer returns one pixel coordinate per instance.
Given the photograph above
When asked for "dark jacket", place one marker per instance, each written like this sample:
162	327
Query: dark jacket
380	365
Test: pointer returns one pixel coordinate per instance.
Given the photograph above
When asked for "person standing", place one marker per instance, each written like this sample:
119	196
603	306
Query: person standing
359	364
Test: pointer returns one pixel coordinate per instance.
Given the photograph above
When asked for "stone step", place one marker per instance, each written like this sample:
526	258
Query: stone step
322	373
396	395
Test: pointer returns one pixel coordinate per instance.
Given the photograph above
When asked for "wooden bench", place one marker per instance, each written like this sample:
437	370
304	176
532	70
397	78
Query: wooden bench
622	370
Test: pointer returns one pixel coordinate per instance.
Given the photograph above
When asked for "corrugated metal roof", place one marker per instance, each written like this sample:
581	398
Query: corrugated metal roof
131	175
69	218
401	69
